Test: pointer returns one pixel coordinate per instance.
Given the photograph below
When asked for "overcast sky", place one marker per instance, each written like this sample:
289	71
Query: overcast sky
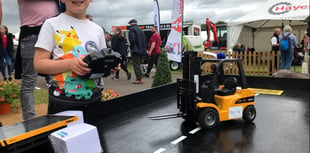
118	12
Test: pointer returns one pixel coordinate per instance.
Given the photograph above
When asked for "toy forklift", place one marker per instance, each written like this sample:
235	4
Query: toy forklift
213	97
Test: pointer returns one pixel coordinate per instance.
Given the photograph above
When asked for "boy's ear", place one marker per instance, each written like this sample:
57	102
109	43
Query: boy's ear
91	0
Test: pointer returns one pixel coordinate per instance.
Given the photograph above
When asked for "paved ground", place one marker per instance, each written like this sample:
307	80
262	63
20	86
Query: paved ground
122	86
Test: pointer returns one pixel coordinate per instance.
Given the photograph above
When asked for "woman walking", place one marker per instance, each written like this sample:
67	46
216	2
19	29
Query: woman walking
288	43
6	52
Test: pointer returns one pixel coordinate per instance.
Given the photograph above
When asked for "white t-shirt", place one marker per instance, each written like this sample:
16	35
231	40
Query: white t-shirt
66	38
273	40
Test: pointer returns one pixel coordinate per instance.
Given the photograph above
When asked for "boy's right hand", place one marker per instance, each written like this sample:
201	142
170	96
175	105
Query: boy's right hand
79	67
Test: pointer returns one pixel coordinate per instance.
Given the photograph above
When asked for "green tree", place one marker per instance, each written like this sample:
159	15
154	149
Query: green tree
163	73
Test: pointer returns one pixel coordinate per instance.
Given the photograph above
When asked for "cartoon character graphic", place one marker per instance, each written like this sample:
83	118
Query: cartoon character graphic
69	82
76	87
67	40
78	51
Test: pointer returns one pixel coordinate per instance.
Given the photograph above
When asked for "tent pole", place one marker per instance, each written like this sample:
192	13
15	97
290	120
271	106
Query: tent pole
253	38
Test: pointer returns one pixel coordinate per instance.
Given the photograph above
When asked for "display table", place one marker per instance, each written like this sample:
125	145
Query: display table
27	135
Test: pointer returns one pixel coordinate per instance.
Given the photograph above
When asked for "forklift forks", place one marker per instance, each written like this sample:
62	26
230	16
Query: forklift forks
186	100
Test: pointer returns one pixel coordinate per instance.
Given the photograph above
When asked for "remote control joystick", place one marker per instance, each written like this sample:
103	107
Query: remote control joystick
101	63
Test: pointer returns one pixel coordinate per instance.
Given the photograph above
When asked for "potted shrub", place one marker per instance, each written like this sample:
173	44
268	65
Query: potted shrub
9	93
163	73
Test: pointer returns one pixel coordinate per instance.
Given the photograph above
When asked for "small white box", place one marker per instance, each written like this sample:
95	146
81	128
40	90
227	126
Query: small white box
79	114
79	138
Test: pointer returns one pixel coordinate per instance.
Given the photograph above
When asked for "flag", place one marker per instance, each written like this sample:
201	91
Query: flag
174	41
156	12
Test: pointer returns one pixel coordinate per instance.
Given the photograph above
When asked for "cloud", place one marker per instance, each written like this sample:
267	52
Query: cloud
118	12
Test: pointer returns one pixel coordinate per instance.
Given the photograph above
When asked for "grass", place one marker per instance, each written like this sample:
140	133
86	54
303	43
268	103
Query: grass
41	96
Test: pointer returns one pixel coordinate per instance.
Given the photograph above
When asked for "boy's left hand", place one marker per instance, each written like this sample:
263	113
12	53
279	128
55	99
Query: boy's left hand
113	71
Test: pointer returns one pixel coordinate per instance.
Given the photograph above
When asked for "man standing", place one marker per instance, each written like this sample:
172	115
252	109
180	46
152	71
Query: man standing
153	50
275	46
137	48
32	15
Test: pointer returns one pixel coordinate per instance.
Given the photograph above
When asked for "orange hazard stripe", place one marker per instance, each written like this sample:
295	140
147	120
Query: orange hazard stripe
33	133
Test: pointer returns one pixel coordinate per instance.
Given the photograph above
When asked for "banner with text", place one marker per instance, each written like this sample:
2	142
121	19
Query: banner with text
174	41
156	13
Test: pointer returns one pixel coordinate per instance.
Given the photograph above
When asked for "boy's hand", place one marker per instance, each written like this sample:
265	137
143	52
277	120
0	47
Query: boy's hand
113	71
79	67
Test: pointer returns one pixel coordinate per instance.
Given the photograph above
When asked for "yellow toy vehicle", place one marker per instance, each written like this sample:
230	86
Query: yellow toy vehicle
215	97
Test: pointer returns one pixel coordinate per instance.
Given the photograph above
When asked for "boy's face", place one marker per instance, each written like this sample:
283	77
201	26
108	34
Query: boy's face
76	7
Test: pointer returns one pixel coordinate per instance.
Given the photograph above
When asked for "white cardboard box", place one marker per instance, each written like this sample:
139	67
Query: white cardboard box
79	114
79	138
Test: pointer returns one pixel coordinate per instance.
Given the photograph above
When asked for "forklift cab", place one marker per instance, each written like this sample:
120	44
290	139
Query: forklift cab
219	93
217	81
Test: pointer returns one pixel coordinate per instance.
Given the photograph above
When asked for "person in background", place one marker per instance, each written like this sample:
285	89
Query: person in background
275	43
287	57
239	48
138	48
6	52
153	50
32	15
108	38
119	44
275	40
89	17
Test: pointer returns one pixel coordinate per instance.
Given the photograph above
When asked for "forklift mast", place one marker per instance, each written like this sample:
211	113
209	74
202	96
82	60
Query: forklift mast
189	86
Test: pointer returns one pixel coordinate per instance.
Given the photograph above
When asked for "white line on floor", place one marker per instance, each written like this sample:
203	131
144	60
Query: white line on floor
160	150
176	141
195	130
256	94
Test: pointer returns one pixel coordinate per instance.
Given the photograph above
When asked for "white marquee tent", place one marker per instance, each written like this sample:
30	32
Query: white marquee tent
254	30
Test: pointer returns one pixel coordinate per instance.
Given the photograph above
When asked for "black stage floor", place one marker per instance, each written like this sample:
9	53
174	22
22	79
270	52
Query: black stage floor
281	126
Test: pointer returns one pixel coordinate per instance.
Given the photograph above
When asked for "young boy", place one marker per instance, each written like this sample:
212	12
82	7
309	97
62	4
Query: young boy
69	37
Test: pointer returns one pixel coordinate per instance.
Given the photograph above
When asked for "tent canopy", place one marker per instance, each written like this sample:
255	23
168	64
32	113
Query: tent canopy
271	14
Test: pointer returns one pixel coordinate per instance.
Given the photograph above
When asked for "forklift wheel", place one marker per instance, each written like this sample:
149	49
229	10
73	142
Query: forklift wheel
249	114
208	118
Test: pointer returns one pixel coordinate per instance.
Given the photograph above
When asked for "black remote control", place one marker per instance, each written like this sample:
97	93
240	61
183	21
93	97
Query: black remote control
101	63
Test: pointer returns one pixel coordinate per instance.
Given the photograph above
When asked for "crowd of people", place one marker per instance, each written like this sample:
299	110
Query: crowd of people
51	43
285	44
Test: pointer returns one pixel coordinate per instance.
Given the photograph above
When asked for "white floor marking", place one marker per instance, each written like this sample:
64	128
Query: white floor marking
195	130
176	141
160	150
257	94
